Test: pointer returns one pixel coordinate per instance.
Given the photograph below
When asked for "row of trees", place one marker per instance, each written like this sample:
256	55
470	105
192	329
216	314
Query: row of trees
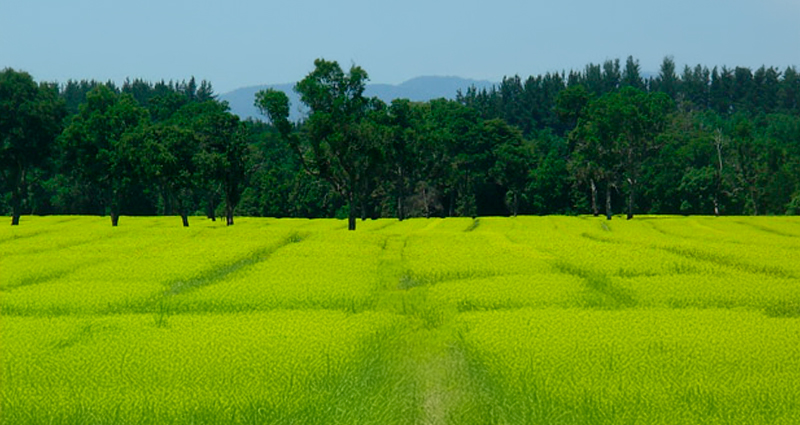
118	153
555	144
530	104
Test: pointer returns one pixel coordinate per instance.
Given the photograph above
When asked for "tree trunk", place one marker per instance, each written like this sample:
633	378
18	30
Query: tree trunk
631	189
363	211
400	195
754	199
425	201
400	215
516	203
184	212
228	215
595	210
114	209
211	211
16	205
608	201
16	197
718	176
229	206
351	214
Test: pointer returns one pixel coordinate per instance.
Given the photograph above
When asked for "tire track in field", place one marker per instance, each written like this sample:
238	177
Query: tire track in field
766	229
728	262
57	247
599	238
161	305
613	296
47	276
217	274
474	225
10	237
382	226
67	245
430	359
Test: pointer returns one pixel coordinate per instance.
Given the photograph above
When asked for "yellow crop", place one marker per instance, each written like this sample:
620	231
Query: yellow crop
570	320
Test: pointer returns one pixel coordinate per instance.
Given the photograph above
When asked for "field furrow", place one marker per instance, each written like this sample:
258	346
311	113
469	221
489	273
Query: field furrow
568	320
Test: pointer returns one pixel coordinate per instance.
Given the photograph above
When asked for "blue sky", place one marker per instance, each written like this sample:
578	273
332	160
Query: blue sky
238	43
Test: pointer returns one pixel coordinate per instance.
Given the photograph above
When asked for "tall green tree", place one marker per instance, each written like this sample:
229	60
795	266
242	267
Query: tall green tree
337	143
166	157
30	119
513	160
593	160
222	156
404	119
455	155
97	151
667	80
611	75
631	75
620	132
789	91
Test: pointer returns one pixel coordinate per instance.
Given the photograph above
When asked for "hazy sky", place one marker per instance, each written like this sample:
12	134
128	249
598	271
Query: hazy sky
239	43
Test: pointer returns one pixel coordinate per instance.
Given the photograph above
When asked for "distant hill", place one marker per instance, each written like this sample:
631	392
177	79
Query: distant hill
420	89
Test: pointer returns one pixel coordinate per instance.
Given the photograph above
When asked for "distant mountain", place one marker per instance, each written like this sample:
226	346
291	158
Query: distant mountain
420	89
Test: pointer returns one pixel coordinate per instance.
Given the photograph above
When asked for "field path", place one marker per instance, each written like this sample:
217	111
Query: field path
442	378
435	377
430	355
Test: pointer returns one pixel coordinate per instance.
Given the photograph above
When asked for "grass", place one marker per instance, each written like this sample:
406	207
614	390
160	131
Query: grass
563	320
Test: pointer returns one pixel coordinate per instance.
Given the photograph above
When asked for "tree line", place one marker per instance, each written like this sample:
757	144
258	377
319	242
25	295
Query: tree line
601	140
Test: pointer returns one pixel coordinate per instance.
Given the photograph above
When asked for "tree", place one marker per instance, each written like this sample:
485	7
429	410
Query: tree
96	148
789	92
166	157
592	79
222	142
548	190
618	134
337	144
513	161
276	184
695	84
570	104
611	75
721	90
667	80
30	120
593	160
631	76
404	120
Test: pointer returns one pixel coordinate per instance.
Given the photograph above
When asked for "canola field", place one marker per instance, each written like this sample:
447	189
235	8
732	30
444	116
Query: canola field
553	320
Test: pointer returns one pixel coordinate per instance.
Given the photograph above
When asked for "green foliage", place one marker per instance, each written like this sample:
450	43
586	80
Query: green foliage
275	106
616	136
96	146
700	141
167	154
30	117
341	143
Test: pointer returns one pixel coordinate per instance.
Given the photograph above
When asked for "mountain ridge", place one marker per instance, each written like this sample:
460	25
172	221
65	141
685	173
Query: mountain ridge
418	89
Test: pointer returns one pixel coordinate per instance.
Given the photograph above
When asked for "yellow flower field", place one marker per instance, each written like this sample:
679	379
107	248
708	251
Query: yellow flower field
569	320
